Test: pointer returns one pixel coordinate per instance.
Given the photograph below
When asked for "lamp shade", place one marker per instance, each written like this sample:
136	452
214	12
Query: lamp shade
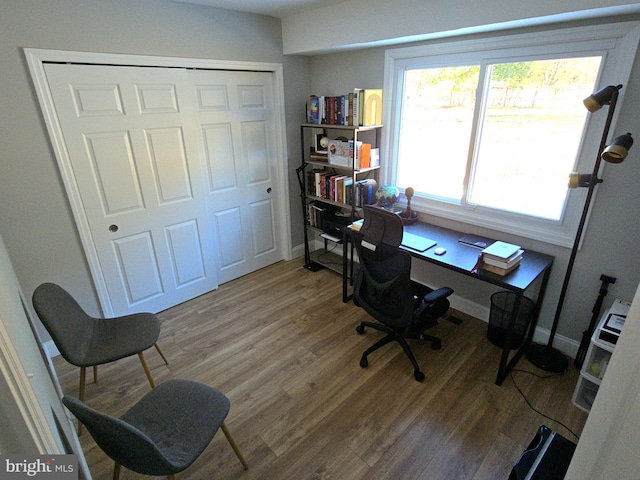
578	180
597	100
618	150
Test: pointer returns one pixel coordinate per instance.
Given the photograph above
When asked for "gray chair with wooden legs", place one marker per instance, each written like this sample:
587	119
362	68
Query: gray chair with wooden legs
162	434
85	341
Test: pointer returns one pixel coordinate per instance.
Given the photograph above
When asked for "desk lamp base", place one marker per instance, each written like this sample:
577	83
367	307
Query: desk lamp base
547	358
313	266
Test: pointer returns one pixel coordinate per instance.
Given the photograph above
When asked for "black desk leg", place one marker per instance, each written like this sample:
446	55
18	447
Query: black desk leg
504	368
345	265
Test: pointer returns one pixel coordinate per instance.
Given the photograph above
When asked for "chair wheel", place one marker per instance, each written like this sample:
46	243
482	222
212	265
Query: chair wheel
364	362
360	329
436	345
419	376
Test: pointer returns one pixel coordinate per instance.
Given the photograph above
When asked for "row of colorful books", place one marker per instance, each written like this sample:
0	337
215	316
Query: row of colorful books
358	108
330	185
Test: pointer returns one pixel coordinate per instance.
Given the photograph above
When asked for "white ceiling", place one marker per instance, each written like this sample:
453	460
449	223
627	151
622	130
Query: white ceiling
273	8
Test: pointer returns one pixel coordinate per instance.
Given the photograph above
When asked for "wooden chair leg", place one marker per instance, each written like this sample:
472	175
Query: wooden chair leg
95	374
116	471
225	430
83	378
166	362
146	370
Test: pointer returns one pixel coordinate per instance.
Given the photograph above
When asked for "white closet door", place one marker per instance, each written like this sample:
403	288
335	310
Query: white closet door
135	160
236	124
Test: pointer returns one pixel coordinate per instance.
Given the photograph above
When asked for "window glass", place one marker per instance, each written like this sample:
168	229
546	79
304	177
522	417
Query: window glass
437	117
530	133
514	147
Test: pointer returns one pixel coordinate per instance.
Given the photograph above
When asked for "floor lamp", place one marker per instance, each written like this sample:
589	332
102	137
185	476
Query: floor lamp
546	357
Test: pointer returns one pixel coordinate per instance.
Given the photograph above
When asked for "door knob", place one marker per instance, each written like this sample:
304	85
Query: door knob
113	228
269	190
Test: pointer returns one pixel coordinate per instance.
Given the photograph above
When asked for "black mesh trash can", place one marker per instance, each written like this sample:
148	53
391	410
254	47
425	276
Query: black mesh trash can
502	304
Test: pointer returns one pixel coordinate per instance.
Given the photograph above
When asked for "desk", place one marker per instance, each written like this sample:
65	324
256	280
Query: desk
462	258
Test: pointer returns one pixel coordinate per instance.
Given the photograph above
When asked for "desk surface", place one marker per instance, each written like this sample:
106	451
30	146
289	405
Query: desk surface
463	258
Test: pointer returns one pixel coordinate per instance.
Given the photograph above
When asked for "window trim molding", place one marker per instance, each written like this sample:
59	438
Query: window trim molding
616	42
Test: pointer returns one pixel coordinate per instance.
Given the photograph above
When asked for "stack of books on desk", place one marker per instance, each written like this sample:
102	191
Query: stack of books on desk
501	258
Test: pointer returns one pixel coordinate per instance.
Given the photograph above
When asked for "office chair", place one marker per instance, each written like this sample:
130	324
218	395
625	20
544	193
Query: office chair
162	434
383	287
85	341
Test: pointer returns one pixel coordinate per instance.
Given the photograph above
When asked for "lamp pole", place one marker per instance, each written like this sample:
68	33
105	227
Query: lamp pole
546	357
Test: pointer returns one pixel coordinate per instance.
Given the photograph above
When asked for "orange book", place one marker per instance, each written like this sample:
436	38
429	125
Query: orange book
365	155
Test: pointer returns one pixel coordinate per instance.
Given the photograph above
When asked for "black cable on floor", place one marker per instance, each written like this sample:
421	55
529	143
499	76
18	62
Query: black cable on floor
531	406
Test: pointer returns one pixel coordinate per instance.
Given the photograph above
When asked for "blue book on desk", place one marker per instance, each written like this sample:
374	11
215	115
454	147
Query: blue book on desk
417	242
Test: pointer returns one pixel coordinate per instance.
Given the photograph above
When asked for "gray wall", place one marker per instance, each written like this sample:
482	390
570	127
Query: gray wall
611	243
35	219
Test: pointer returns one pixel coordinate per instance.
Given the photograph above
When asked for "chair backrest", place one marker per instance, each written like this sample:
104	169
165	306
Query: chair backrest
121	441
65	320
383	280
381	226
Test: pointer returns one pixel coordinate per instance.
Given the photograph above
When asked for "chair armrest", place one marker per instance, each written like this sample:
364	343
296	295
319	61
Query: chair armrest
432	297
442	292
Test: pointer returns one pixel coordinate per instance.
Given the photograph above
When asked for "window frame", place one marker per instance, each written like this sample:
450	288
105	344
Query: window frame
616	42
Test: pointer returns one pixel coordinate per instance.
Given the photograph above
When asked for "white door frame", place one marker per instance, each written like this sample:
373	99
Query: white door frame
36	58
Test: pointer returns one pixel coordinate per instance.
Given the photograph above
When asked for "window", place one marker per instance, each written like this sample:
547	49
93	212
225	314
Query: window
487	131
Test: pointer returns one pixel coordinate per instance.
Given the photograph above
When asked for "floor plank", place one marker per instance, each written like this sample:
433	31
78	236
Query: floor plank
282	346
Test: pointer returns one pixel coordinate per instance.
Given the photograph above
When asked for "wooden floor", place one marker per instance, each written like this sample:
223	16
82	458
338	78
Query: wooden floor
282	346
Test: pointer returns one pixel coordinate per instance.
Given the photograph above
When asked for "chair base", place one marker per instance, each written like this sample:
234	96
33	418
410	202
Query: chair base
401	338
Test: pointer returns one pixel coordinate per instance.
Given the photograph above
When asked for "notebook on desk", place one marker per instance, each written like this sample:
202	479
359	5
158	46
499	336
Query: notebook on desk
416	242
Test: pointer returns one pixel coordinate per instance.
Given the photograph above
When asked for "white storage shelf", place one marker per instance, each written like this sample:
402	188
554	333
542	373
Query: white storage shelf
596	362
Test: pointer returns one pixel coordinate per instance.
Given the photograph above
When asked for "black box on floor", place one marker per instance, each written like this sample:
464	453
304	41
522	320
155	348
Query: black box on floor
546	458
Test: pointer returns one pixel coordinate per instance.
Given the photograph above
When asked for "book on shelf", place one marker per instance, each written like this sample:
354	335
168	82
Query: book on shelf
358	101
347	190
335	186
319	157
316	214
375	157
313	109
364	156
366	192
339	152
335	110
372	108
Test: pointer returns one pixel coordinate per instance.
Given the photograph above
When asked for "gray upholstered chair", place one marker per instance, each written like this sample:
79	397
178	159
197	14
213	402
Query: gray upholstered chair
162	434
85	341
